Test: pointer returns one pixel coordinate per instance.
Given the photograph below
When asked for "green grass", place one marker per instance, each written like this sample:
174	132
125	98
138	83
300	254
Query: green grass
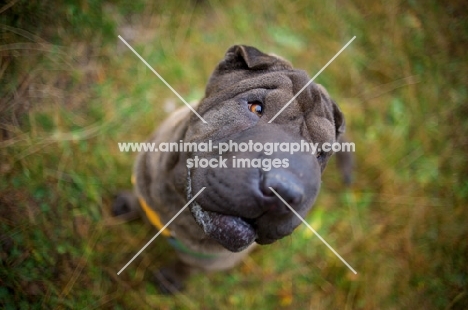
402	87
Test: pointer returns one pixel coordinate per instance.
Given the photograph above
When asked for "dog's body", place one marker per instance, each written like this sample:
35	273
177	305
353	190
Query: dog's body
155	188
237	209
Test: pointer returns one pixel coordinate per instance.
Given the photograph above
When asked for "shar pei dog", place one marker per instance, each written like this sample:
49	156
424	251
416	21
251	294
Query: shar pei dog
237	208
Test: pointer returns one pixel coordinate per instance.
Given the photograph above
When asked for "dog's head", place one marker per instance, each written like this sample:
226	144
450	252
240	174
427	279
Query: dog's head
245	91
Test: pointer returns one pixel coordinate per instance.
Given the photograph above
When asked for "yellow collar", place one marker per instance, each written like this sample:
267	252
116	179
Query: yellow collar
152	215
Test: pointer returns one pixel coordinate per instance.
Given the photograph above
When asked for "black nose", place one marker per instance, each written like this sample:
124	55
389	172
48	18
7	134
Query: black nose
287	185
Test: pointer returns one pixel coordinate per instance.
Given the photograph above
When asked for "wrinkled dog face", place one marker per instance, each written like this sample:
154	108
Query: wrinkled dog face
244	92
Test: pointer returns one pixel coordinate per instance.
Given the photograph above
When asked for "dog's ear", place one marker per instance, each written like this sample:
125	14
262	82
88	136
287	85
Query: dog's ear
340	124
239	62
344	160
338	117
250	58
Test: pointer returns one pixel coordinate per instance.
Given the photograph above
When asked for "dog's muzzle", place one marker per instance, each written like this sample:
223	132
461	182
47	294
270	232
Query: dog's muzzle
238	207
215	224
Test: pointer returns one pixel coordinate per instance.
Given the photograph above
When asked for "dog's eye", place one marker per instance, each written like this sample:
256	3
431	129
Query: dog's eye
256	107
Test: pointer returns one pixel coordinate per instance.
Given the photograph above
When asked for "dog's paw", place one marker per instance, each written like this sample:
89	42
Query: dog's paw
168	282
171	279
125	206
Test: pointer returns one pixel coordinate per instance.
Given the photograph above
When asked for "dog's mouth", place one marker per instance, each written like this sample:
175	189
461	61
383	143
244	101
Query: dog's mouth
232	232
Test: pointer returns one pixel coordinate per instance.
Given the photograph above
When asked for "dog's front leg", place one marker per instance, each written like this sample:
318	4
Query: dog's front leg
126	206
171	279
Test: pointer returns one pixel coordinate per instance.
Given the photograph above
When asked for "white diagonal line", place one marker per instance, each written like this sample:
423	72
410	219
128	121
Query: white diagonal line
313	230
159	232
312	79
161	78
